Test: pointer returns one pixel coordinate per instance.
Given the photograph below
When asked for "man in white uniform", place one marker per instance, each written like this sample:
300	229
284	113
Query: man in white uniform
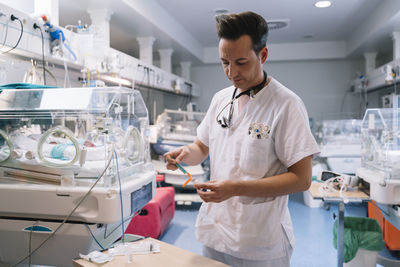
257	135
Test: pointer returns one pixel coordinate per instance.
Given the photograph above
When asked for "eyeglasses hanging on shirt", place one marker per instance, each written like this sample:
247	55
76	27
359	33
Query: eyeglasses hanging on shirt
227	122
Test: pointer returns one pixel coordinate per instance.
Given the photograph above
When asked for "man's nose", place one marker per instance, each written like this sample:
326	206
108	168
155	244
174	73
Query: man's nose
232	71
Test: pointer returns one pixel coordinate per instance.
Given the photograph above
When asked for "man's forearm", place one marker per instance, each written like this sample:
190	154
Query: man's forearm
297	179
198	152
283	184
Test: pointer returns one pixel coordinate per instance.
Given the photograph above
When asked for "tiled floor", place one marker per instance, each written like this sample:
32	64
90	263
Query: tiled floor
312	227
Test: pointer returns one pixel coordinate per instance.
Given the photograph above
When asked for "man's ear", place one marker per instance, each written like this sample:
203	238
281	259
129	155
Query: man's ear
263	54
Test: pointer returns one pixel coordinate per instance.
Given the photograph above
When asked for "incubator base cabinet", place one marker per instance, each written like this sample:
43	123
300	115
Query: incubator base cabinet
74	168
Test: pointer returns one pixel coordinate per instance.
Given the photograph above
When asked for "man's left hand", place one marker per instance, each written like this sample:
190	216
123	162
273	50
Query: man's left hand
215	191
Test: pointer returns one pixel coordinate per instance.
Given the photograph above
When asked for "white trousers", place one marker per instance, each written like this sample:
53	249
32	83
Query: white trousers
237	262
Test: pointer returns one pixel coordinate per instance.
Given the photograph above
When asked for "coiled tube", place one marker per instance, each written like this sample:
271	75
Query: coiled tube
62	130
5	151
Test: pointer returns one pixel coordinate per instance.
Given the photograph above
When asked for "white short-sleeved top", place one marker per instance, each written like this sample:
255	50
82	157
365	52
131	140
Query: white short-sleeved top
269	135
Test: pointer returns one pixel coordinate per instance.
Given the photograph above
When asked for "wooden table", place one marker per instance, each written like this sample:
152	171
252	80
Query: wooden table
169	256
353	195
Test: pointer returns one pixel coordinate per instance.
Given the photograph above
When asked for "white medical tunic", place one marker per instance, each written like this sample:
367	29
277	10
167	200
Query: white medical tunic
269	135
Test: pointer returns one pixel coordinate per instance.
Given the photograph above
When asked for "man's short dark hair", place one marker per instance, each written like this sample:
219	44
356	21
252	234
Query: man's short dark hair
234	26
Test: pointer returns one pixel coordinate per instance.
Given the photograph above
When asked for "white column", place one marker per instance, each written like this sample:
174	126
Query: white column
396	45
165	59
185	70
370	61
101	30
49	8
146	49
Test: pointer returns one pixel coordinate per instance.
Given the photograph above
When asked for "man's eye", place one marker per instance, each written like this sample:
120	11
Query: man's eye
225	63
241	63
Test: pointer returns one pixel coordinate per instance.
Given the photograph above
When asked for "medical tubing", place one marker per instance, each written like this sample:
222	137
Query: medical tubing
70	51
66	76
120	197
5	37
8	142
52	76
95	239
73	210
69	134
20	36
30	241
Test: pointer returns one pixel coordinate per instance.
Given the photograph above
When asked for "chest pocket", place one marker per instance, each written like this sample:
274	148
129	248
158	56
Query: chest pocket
256	155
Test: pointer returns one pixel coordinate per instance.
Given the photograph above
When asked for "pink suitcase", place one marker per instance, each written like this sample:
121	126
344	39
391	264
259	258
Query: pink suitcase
155	216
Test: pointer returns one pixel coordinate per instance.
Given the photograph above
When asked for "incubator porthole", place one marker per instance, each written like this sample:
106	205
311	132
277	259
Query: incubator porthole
133	145
58	147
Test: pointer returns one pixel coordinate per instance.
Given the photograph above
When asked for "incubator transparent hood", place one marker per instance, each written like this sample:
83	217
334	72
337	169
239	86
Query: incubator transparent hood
71	131
63	139
179	125
380	154
75	158
340	144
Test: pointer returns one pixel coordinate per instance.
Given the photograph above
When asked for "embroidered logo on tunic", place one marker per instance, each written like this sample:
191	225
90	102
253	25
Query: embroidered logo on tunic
259	130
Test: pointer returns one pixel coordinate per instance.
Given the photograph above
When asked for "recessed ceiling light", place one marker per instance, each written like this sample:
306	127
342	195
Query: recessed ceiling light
323	4
277	24
219	11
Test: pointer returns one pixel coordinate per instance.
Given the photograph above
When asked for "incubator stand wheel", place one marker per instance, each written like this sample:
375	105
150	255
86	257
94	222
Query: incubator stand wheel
6	146
54	155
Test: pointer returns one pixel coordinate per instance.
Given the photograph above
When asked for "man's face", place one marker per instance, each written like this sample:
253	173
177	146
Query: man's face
240	63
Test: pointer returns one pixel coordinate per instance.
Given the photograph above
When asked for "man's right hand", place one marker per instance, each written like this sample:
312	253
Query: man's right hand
176	156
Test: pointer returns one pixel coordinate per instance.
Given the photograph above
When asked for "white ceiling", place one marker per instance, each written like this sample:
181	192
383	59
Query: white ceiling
334	23
364	25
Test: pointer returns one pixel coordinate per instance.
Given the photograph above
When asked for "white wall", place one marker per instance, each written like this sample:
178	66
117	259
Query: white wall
13	70
321	84
27	6
211	79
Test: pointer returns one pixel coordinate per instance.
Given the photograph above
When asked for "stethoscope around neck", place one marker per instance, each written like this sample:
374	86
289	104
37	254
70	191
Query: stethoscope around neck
227	122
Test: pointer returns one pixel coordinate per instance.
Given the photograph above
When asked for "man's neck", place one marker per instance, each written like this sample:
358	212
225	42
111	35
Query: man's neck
261	82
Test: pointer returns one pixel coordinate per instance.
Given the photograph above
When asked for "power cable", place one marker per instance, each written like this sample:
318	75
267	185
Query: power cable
30	242
35	26
20	36
94	238
343	100
120	196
